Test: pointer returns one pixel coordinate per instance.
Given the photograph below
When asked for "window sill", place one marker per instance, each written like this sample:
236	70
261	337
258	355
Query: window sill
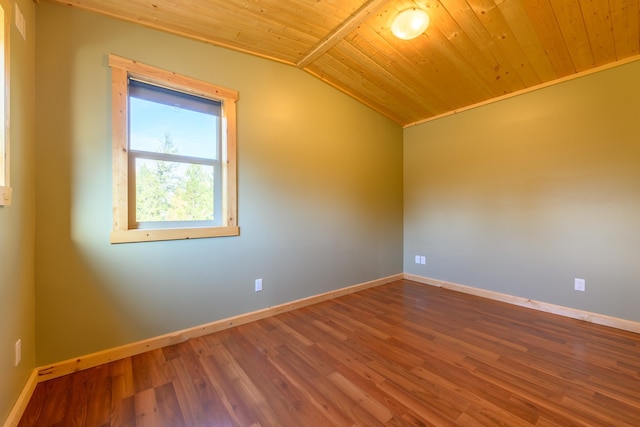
5	196
152	235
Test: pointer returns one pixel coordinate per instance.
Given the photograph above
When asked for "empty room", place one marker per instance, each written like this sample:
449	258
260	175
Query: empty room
299	212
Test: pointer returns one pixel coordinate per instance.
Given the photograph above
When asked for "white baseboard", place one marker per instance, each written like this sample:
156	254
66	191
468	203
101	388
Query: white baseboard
599	319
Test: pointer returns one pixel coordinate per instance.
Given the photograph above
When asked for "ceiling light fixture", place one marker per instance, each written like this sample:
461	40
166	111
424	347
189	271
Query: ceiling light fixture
410	23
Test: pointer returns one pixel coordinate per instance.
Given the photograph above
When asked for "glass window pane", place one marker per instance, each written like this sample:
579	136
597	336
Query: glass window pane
172	191
192	133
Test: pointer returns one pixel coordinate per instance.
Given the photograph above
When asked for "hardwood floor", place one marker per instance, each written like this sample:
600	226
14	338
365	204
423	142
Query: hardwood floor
396	355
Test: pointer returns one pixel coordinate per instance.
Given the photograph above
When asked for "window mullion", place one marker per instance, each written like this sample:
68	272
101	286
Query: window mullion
172	158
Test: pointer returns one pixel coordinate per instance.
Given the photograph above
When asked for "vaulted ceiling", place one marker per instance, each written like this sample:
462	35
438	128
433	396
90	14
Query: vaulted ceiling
473	51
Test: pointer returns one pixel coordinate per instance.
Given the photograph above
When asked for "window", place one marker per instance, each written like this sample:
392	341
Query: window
5	187
174	151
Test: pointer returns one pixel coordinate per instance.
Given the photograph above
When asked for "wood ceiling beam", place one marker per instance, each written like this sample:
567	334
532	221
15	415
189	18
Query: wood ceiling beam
341	31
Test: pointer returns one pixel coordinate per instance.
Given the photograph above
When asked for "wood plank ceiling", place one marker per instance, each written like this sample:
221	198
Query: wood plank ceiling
473	51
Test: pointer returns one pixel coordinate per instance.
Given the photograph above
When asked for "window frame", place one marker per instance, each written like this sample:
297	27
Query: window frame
163	95
124	227
5	169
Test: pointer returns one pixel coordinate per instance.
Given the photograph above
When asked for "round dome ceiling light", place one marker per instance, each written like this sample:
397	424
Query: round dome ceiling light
410	23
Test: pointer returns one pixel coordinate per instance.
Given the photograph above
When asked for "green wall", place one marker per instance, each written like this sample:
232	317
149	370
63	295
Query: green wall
320	193
524	195
17	295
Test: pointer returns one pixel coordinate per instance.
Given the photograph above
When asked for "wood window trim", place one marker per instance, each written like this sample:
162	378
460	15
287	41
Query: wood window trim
5	163
121	70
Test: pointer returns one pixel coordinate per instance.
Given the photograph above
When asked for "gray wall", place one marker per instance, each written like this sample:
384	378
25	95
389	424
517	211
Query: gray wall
320	193
524	195
17	294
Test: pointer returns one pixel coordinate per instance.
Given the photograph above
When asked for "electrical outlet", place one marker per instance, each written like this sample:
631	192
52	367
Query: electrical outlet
417	259
258	287
18	352
423	260
579	285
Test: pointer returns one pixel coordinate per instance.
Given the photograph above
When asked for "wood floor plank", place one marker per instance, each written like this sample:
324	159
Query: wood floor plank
400	354
123	412
95	396
146	409
168	405
201	398
305	379
194	410
284	397
122	380
247	389
150	370
39	411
